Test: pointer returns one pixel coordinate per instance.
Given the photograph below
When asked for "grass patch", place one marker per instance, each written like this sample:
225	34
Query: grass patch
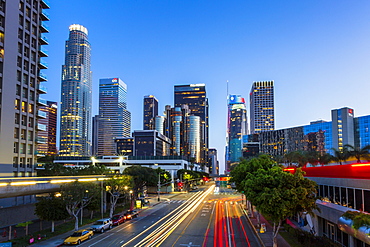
69	225
290	239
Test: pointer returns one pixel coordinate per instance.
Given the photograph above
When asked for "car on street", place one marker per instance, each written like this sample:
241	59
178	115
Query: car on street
131	214
118	219
102	225
79	236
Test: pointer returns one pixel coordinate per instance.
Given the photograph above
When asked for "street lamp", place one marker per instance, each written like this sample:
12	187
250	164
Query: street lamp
159	186
82	203
131	201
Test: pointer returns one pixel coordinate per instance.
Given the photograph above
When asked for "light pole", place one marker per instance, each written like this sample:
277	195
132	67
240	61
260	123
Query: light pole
131	202
82	203
159	186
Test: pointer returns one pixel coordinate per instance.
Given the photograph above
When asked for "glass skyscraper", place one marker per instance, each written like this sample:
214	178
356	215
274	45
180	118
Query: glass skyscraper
75	126
114	118
47	139
194	95
237	127
150	112
262	116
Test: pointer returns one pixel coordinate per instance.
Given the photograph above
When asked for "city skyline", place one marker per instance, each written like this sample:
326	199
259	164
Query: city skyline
308	49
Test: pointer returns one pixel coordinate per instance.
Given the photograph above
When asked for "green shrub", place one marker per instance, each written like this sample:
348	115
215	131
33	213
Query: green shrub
359	219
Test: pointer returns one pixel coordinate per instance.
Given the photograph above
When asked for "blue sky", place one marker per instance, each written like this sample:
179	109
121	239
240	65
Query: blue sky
317	52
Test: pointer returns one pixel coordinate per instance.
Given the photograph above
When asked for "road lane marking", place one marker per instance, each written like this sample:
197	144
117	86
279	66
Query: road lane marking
101	240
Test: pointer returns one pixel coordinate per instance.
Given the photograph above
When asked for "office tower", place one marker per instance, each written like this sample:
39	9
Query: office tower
95	134
213	161
194	95
262	117
194	138
125	146
150	143
150	112
159	124
343	127
75	125
176	128
236	128
22	52
46	139
114	118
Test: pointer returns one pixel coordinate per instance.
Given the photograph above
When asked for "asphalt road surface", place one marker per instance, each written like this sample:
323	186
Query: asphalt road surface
199	218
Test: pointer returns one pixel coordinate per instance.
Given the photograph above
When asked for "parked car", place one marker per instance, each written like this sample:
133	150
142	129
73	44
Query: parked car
131	214
102	225
118	219
78	236
144	201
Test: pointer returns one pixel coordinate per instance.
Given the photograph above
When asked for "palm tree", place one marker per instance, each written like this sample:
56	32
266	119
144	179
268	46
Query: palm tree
325	158
357	152
340	155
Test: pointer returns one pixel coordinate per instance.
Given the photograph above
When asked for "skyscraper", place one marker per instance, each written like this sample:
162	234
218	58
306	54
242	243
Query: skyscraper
22	37
150	112
343	127
194	95
262	116
236	129
75	126
114	118
47	138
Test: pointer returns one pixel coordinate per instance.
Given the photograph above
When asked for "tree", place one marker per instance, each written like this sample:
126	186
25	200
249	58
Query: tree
116	187
51	209
325	158
274	192
340	155
142	176
357	152
78	195
192	162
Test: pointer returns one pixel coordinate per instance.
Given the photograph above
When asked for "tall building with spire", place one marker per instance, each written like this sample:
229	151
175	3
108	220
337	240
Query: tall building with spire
22	52
75	125
114	119
262	109
237	127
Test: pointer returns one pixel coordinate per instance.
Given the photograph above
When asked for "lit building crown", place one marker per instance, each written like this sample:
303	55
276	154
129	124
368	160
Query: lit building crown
78	28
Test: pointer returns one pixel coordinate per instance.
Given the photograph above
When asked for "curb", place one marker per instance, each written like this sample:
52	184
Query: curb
254	229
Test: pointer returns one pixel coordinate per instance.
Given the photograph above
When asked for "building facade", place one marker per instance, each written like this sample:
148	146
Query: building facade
47	139
125	146
150	112
194	95
237	127
22	36
114	118
321	136
262	109
343	127
150	143
75	125
341	188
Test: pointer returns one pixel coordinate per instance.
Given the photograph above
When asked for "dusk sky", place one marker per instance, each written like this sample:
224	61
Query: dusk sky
317	52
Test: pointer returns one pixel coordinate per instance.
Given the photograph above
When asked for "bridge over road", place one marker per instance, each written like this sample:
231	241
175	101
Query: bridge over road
21	186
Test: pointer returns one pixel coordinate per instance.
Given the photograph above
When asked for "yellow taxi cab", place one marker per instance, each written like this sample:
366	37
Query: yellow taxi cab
78	236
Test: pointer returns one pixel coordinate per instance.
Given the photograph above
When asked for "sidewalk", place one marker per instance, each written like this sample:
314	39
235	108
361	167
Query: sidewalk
58	240
266	238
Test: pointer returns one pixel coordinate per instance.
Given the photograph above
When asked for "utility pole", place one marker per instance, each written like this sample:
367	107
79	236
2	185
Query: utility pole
159	186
